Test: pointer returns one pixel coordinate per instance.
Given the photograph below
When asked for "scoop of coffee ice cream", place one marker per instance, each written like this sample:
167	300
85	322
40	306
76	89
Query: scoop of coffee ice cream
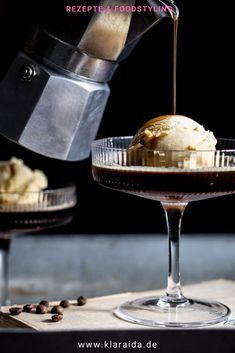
172	140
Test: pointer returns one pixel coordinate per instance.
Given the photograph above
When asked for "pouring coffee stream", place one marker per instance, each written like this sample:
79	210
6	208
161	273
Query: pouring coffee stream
61	76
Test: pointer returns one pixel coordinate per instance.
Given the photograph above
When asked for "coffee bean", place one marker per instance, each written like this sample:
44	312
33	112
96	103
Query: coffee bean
44	302
81	300
65	303
57	317
27	308
15	310
57	309
41	309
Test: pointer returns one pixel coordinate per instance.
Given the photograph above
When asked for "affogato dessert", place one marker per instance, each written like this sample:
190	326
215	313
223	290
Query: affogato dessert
170	158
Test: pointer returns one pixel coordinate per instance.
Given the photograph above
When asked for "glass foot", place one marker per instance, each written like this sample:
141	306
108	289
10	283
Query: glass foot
150	311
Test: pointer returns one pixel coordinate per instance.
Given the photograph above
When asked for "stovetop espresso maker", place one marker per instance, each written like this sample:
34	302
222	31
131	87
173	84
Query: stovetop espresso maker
53	96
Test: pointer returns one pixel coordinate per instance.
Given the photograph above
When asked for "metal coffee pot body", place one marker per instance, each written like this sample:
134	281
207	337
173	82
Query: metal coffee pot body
54	94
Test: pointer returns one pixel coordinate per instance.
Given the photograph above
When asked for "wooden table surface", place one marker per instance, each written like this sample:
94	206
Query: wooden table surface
97	313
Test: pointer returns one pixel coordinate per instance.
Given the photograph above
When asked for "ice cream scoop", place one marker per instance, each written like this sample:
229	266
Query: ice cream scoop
20	184
173	140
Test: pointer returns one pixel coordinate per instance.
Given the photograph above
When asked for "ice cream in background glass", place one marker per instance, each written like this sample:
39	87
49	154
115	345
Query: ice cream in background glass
174	160
20	184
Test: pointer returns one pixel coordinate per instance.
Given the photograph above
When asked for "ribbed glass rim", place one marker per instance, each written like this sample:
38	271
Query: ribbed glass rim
51	199
100	143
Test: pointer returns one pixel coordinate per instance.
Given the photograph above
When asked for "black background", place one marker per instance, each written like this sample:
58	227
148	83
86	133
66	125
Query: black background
140	90
64	341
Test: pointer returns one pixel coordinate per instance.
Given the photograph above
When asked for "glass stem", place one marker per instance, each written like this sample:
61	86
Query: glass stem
5	240
174	213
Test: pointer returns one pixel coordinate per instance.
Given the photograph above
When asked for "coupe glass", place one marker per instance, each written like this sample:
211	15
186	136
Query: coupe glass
35	211
174	178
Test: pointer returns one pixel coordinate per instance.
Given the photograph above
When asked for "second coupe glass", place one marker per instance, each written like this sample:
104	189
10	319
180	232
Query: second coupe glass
36	211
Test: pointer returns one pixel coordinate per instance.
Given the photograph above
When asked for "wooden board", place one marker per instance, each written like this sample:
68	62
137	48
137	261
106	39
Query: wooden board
97	314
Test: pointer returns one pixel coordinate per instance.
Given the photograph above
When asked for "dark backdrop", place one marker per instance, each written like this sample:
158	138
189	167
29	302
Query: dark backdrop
141	90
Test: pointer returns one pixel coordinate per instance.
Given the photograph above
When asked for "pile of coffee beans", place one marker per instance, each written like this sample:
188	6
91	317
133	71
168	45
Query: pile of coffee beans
44	307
